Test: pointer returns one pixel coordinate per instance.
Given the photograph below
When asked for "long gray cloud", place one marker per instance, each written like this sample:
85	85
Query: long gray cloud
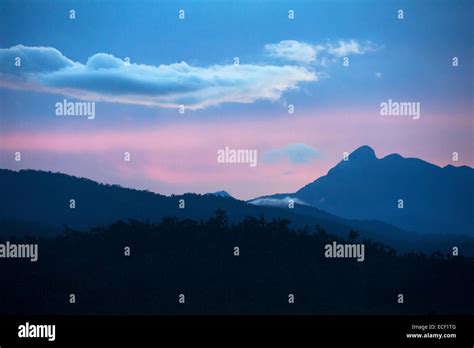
107	78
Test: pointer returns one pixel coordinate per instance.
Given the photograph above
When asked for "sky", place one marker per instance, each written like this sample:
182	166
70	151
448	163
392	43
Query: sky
141	64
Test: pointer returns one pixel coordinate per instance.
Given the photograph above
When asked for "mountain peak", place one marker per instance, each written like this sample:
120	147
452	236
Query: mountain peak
363	152
221	193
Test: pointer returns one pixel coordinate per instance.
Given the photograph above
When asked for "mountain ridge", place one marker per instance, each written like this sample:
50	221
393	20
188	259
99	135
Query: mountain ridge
42	199
366	187
38	205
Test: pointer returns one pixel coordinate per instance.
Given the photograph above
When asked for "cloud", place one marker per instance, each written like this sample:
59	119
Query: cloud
305	53
32	60
296	153
107	78
292	50
276	202
347	48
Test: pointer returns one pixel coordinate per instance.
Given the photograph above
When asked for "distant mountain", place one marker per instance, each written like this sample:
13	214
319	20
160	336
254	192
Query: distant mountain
38	203
434	199
221	193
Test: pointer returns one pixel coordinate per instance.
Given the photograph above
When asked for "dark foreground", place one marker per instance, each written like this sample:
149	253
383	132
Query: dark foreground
190	267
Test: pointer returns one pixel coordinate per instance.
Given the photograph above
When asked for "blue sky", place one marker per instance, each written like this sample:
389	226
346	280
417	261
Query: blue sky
407	59
149	32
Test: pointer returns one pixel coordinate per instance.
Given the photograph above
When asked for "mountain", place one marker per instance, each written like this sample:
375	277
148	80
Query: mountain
221	193
38	203
434	199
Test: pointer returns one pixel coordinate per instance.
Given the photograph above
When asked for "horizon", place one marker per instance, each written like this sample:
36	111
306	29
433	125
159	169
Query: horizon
224	190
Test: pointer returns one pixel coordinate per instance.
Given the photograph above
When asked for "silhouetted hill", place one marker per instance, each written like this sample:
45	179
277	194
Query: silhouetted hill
37	203
36	198
435	199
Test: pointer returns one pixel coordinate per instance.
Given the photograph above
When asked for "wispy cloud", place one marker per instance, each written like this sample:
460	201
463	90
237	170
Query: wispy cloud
347	48
107	78
292	50
296	153
305	53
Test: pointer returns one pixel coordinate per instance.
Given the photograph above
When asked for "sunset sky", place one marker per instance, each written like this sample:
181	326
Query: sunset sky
191	62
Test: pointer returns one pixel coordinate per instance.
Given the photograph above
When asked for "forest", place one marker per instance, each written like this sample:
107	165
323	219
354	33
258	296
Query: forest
213	266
